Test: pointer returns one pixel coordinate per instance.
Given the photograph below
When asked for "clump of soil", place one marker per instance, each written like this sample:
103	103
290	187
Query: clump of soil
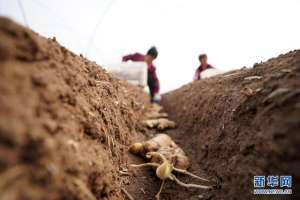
238	125
65	123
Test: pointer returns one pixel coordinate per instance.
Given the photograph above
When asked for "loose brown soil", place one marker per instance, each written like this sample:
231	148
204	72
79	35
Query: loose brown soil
65	123
66	126
234	128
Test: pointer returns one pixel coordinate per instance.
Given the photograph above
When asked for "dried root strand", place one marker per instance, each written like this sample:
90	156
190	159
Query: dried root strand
145	165
190	185
127	194
189	174
157	196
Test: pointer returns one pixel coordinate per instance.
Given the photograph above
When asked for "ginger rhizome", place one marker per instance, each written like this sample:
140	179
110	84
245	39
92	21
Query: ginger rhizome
165	157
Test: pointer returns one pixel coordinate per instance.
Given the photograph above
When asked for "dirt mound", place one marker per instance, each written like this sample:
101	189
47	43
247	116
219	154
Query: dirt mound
64	122
240	124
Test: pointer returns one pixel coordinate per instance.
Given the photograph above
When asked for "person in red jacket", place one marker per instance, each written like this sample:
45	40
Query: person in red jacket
153	82
203	66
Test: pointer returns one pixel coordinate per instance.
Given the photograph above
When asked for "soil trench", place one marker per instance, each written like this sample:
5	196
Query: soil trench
241	124
233	127
66	126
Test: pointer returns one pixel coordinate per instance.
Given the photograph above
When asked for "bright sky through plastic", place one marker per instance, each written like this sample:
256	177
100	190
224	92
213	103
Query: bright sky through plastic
234	33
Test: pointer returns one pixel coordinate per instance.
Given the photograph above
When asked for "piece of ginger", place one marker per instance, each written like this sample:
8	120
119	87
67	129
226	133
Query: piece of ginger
161	124
164	171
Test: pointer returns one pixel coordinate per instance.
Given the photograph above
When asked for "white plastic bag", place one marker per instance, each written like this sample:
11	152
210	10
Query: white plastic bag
210	72
134	72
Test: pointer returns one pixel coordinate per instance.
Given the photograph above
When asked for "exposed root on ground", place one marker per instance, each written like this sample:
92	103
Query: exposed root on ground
164	171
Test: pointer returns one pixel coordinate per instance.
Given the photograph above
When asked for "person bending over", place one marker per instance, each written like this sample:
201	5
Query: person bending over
153	82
